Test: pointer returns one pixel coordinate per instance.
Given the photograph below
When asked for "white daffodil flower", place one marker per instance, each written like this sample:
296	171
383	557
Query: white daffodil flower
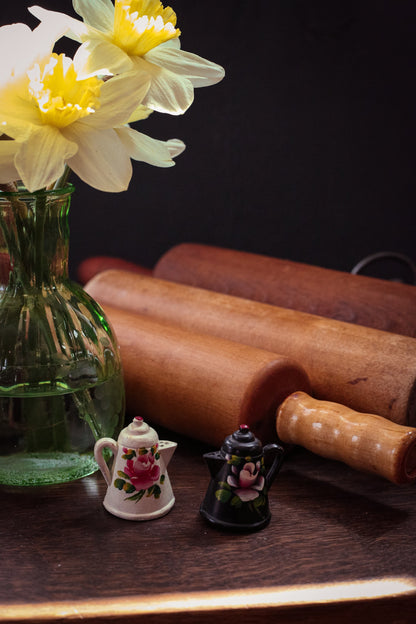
139	35
20	48
55	118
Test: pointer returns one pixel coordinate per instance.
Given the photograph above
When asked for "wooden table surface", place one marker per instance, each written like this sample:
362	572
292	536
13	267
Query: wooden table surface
340	547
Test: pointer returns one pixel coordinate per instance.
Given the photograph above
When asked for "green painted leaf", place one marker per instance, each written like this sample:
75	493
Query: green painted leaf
137	496
143	451
129	455
150	490
119	483
236	501
129	488
156	491
235	460
259	501
224	485
122	474
223	495
162	479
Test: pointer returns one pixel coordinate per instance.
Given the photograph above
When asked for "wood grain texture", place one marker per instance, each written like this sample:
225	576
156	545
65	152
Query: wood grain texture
200	385
365	441
363	368
64	557
372	302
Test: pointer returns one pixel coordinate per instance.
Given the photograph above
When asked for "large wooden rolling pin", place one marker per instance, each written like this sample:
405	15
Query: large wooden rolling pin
199	385
366	442
368	301
365	369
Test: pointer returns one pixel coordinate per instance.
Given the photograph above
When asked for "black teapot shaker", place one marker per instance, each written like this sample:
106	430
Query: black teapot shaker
237	495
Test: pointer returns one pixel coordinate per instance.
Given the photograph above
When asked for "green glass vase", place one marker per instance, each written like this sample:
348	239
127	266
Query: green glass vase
61	383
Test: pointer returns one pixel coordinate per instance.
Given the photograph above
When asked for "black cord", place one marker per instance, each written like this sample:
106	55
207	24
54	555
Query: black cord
387	255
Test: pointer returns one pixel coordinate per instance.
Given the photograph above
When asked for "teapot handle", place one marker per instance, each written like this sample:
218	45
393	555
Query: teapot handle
99	458
279	452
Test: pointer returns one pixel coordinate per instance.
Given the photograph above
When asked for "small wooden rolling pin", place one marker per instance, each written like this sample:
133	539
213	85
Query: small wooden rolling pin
368	370
364	441
368	301
199	385
96	264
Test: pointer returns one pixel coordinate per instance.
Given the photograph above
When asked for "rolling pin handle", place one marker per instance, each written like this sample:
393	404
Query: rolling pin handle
366	442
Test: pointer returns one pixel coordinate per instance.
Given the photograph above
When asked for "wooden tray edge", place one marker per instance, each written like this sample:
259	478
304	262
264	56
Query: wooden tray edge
371	596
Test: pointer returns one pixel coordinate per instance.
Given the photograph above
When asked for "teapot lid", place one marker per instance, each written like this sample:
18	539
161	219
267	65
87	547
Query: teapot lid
243	443
138	434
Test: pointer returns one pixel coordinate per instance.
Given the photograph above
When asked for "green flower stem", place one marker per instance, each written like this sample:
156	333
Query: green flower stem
86	410
39	221
61	182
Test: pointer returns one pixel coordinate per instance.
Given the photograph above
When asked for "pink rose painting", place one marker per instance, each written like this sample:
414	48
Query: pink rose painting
248	482
244	486
141	473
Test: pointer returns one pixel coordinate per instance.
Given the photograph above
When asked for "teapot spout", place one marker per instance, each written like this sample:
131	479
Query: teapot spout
215	461
166	450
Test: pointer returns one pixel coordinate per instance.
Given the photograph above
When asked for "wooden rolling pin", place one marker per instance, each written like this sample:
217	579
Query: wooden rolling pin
366	369
95	264
366	442
200	385
368	301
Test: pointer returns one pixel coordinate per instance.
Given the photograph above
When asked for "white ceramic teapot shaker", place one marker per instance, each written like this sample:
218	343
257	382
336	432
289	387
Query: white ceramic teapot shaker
138	483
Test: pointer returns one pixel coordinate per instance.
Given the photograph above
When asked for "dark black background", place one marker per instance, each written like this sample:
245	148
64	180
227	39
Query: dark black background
306	150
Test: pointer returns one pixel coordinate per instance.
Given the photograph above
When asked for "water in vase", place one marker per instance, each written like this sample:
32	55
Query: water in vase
49	438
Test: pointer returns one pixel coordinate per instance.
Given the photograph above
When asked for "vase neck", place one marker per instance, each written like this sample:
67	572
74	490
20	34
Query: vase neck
35	233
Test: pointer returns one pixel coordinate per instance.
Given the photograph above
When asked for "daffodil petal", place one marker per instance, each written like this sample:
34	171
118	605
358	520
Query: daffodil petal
175	147
172	43
17	114
97	56
45	36
12	37
119	97
97	13
41	159
75	29
101	160
8	171
198	70
152	151
140	113
169	92
21	47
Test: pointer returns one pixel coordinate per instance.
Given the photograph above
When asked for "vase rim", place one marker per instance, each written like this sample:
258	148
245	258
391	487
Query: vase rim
68	189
